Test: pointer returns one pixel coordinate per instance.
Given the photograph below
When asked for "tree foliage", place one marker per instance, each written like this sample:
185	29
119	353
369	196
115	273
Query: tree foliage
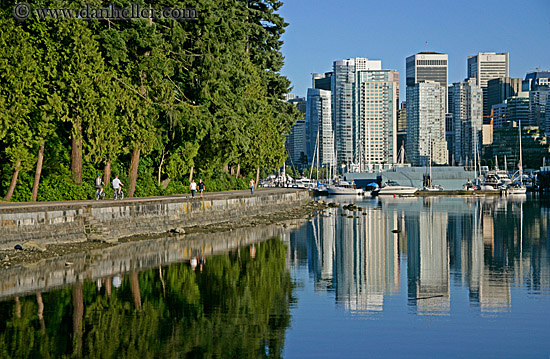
172	96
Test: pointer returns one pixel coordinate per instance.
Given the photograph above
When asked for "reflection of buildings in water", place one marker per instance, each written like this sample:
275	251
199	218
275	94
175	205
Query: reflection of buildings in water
486	244
358	257
367	260
428	262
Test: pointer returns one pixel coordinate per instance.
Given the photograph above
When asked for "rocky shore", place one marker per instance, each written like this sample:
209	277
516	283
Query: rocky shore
31	252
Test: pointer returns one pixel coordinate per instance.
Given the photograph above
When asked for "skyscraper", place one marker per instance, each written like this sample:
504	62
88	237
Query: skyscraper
467	110
346	121
377	99
322	81
426	124
486	66
428	66
320	134
501	88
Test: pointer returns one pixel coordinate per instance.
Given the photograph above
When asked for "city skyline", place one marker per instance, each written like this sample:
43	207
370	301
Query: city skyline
310	48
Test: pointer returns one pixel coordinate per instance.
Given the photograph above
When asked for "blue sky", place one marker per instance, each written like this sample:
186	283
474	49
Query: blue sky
322	31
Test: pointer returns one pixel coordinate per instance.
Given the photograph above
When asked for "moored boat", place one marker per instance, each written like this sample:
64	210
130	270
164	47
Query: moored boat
391	188
344	188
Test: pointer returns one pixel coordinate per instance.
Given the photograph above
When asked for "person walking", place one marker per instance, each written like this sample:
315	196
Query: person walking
251	186
99	186
193	188
201	186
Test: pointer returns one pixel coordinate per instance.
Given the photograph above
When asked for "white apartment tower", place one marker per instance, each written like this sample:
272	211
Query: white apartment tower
426	124
467	110
320	132
378	98
486	66
346	120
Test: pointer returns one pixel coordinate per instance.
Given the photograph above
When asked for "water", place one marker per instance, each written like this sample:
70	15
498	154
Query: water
419	277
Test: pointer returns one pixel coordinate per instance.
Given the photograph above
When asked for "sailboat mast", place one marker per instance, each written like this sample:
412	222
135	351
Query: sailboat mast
520	156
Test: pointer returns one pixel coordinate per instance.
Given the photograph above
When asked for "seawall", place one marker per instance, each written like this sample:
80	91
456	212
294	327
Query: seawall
108	220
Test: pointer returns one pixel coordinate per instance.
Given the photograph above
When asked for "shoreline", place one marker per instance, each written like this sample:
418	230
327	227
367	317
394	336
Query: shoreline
10	258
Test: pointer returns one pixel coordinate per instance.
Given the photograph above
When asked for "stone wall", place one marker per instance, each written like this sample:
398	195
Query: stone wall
110	220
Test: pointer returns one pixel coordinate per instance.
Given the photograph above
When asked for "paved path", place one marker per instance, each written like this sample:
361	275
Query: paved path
6	206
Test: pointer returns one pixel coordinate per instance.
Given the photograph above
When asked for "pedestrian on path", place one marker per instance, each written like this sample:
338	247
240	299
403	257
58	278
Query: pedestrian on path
251	186
201	186
193	188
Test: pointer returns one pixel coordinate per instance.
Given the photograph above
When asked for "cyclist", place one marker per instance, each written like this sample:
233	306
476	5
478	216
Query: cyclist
117	186
98	186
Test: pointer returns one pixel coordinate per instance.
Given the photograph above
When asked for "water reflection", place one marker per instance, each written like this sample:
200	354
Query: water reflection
237	306
487	245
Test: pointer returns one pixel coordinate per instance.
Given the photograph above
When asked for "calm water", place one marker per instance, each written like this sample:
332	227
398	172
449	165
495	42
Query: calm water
427	277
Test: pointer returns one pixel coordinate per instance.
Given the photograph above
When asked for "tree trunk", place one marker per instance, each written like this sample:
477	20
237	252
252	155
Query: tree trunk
191	175
226	168
40	311
232	172
257	176
133	172
238	169
78	313
13	181
107	173
38	172
76	153
160	168
134	286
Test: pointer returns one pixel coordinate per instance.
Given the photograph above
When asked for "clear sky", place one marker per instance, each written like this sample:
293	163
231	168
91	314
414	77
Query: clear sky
322	31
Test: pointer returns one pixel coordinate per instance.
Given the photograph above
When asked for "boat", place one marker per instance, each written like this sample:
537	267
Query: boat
428	184
344	188
517	187
391	188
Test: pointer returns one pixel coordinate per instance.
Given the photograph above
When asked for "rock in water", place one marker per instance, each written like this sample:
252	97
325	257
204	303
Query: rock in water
33	246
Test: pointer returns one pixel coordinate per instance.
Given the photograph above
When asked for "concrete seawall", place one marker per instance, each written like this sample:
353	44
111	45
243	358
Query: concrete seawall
77	221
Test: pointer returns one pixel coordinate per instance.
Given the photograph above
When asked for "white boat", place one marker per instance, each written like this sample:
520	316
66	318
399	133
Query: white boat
518	187
344	188
391	188
433	188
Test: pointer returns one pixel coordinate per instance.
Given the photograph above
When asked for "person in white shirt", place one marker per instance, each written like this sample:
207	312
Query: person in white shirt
117	184
193	188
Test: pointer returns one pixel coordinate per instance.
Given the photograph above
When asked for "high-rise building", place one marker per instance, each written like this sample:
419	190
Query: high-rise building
517	109
322	81
296	145
486	66
467	101
501	88
428	66
426	124
499	114
320	134
376	101
402	125
346	120
535	79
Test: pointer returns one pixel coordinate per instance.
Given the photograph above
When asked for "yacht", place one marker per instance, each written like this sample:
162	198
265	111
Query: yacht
391	188
343	188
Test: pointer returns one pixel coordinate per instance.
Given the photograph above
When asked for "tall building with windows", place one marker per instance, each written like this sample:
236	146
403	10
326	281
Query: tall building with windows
502	88
467	111
428	66
320	134
376	100
426	124
346	120
486	66
322	81
296	145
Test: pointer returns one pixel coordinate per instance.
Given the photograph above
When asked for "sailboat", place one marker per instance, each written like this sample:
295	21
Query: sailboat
428	185
517	187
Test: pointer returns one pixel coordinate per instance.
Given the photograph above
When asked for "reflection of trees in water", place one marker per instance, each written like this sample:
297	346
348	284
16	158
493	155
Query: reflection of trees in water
237	307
